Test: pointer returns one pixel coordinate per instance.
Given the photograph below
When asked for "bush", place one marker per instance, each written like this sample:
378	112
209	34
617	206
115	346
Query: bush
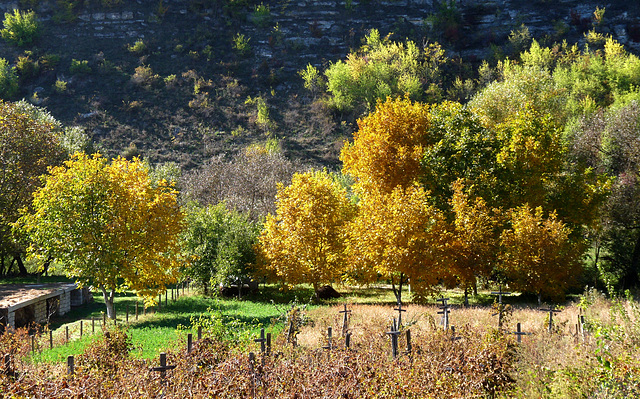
241	45
139	47
8	80
20	28
79	67
27	68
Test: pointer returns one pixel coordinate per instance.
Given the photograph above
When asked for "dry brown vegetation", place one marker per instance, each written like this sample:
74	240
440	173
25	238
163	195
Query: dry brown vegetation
483	362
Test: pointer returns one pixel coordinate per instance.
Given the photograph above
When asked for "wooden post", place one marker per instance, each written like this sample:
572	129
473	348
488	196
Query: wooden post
519	333
444	312
329	345
347	340
33	343
7	364
409	347
159	301
262	341
93	325
50	339
67	333
400	310
126	317
345	320
189	342
163	363
70	365
501	311
394	341
137	310
81	328
551	309
104	319
183	288
166	297
199	333
268	344
252	359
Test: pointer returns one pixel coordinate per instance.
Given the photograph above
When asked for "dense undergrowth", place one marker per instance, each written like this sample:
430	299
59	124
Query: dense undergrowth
478	360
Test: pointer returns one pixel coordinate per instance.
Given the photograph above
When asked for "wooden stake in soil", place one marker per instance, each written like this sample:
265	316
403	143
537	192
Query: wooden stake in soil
70	365
189	342
444	312
163	366
137	309
50	339
400	310
345	320
329	345
262	341
81	328
268	344
199	333
501	308
519	333
551	309
93	325
66	329
394	339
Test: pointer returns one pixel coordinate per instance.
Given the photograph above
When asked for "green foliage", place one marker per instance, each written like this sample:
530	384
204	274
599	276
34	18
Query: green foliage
262	116
261	15
20	28
60	86
8	80
27	68
383	68
241	45
138	48
312	79
219	242
219	327
79	67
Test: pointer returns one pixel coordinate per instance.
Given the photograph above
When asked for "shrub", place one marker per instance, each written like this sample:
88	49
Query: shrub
8	80
79	67
139	47
261	16
144	76
20	28
241	45
60	86
27	68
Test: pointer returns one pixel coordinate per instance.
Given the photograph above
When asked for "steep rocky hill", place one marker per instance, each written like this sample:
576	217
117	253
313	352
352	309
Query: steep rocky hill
192	88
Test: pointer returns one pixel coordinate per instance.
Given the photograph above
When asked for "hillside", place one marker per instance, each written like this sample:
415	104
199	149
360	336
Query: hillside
165	76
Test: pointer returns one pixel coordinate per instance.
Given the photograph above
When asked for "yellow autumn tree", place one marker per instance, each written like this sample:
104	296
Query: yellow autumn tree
388	146
108	225
398	237
472	247
538	254
304	241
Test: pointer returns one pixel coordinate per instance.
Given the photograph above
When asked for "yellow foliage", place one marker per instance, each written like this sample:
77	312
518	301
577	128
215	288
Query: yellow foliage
394	233
538	254
107	224
473	244
388	146
304	241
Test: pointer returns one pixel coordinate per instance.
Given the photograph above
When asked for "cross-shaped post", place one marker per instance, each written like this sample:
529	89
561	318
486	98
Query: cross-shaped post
345	320
262	341
163	366
400	310
444	312
394	339
500	313
551	309
519	333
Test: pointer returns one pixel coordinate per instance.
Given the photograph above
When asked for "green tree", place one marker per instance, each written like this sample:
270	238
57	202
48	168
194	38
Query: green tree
8	80
29	144
108	225
219	243
304	241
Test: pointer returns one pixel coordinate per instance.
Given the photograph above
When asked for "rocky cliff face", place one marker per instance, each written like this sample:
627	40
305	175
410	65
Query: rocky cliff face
192	39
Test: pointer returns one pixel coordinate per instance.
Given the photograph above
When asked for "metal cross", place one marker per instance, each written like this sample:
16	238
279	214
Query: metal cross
262	341
519	333
345	320
163	365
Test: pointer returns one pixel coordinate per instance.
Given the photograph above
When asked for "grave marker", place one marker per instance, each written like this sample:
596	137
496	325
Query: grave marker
163	366
345	320
400	310
444	312
551	309
501	308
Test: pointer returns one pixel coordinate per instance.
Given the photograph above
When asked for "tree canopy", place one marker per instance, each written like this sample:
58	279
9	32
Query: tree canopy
108	225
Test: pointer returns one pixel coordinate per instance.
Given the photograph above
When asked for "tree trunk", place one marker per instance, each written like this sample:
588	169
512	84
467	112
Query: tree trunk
108	300
21	268
539	299
397	292
1	265
630	279
466	296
